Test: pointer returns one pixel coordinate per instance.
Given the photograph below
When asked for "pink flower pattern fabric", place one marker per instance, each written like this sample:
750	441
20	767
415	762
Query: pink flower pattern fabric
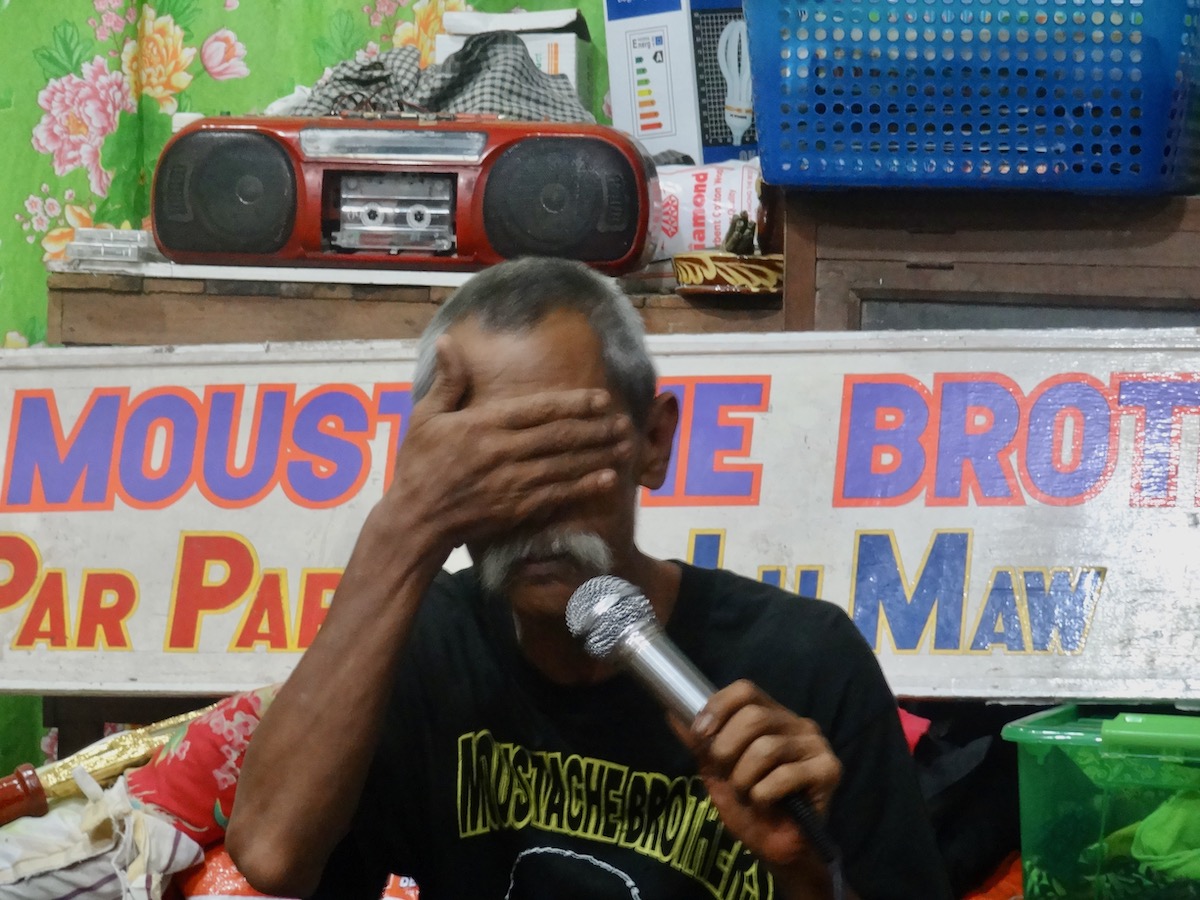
191	779
223	56
79	114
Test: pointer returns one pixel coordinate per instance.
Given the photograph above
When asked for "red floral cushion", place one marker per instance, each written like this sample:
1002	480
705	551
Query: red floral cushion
191	780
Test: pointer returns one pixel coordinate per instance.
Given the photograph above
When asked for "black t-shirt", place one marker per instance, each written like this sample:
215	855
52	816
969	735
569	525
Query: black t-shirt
493	782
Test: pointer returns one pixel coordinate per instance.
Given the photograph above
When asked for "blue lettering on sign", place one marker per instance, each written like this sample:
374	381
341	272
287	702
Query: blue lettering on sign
712	438
1158	403
1038	611
1043	611
939	591
980	438
397	402
707	549
1086	467
1060	611
709	464
229	484
143	484
1000	621
49	468
321	431
979	421
150	449
881	456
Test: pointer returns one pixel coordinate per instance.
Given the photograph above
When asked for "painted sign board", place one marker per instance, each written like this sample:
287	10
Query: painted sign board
1006	515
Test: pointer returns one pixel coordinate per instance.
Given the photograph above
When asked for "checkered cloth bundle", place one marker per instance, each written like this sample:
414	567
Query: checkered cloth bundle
493	74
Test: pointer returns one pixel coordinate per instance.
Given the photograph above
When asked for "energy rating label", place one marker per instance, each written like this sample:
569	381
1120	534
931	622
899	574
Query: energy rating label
650	79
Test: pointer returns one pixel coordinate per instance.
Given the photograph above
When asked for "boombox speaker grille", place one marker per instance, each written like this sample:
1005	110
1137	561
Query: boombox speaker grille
560	196
225	191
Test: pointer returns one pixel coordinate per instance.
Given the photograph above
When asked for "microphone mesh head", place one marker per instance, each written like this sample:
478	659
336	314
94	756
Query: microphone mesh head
602	609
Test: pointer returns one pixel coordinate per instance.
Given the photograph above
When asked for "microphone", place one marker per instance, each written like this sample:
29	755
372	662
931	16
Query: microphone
616	623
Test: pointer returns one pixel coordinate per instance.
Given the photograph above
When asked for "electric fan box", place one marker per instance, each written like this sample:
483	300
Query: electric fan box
667	85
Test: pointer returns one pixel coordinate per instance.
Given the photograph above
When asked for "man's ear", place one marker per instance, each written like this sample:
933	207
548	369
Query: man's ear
658	436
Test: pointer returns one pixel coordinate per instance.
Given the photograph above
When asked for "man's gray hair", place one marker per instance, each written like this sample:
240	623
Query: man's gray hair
516	295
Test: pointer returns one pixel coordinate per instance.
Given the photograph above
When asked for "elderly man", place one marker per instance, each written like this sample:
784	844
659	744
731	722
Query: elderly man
449	727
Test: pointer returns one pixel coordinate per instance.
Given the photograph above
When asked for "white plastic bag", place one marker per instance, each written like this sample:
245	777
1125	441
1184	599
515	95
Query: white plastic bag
99	848
700	202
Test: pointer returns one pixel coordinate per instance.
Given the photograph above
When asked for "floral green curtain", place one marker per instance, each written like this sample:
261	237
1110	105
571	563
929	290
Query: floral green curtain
88	88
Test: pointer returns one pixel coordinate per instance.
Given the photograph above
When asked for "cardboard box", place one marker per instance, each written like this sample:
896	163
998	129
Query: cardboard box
558	41
554	54
668	86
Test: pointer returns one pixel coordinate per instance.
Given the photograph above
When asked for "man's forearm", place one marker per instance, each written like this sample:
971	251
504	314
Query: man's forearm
306	764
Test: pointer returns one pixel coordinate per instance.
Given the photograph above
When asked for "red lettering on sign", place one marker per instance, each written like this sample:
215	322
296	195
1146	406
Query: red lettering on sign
20	556
316	593
198	591
266	619
46	619
107	600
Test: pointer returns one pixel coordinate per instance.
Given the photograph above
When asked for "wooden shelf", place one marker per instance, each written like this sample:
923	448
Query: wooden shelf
100	308
841	248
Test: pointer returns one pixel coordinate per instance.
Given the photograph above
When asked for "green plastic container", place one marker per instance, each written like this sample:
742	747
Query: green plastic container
1110	803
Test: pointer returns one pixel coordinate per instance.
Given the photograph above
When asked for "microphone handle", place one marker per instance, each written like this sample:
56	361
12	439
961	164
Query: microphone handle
670	676
805	815
651	656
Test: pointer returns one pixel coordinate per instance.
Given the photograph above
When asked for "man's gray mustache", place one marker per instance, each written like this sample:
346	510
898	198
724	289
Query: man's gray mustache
586	549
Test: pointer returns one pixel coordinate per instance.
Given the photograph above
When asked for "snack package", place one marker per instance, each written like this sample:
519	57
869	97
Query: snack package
700	202
217	878
400	887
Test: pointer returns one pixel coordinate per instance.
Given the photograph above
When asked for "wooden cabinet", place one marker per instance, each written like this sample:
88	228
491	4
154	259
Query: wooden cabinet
847	251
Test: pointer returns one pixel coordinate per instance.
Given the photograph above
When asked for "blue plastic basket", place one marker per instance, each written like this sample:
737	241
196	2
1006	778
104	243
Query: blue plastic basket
1092	96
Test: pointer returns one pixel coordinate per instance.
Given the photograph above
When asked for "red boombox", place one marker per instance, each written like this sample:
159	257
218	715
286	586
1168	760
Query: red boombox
403	191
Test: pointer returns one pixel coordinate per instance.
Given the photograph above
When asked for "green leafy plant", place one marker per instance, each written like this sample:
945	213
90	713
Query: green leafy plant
35	330
184	12
131	152
66	53
346	37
